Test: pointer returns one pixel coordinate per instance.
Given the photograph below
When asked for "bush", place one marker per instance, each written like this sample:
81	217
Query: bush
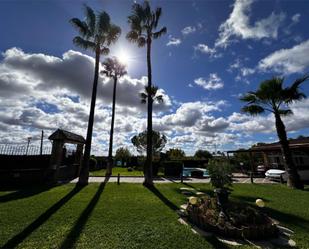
220	174
172	168
92	163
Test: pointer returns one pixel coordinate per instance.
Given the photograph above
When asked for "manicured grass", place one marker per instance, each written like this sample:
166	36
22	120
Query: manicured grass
116	171
128	216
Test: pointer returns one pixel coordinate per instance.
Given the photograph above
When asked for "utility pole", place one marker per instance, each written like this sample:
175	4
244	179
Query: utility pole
41	148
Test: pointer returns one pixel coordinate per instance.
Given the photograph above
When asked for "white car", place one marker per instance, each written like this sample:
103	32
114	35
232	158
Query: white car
275	174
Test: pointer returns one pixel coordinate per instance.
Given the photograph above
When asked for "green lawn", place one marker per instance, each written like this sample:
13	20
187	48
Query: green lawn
116	171
127	216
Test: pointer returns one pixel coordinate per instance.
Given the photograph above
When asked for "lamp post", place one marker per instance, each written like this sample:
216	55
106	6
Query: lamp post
29	139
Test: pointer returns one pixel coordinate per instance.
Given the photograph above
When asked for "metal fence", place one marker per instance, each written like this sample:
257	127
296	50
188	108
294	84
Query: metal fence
17	149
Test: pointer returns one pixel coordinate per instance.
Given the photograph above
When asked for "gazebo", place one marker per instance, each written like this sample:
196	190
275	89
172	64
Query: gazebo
59	138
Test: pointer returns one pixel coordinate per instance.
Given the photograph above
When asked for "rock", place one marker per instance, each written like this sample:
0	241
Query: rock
183	221
285	231
201	232
200	194
231	242
187	189
184	206
283	242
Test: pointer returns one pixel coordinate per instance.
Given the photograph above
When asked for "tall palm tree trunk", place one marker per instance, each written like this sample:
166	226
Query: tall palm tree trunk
148	166
293	177
84	173
110	151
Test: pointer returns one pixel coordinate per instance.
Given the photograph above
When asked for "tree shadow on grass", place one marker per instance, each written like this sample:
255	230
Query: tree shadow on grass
166	201
75	232
23	193
17	239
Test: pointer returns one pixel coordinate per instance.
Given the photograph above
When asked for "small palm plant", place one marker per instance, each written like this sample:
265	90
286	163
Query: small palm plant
273	97
97	33
151	93
115	70
144	29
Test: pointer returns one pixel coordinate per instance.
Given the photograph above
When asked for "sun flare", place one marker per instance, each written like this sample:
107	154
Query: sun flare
123	57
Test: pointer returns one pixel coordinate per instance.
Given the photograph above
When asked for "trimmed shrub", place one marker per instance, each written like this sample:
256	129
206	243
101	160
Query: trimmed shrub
172	168
92	163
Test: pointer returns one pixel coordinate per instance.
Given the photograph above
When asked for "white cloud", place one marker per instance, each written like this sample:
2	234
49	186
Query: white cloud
213	82
203	48
188	30
295	18
173	41
238	24
287	61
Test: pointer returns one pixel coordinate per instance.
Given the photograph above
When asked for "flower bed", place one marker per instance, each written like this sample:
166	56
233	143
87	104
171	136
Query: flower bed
240	220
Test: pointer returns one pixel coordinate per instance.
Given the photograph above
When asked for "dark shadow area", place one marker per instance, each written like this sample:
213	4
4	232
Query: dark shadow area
217	243
166	201
250	199
287	218
23	193
17	239
206	191
75	232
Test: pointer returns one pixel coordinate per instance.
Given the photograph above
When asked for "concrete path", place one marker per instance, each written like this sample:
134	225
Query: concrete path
132	179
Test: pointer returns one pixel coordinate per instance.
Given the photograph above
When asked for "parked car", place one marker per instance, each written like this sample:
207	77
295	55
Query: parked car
261	169
275	174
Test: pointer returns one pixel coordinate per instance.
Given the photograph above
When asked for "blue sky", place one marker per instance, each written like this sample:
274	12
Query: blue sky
214	51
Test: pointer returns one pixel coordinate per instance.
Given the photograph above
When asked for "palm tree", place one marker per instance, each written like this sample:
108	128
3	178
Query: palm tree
112	69
273	97
144	25
96	34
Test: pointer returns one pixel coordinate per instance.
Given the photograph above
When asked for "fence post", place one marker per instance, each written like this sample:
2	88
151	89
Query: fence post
118	179
251	177
281	179
181	178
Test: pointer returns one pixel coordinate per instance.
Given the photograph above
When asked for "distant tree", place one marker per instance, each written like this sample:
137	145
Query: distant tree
140	142
272	97
175	153
115	70
144	29
97	33
123	154
203	154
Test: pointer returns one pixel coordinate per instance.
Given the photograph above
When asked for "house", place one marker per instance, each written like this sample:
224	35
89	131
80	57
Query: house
272	156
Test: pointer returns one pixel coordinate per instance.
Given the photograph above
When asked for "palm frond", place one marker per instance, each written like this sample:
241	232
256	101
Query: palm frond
85	44
112	34
104	51
103	23
90	19
249	97
141	42
158	14
285	112
132	36
159	99
161	32
80	26
253	109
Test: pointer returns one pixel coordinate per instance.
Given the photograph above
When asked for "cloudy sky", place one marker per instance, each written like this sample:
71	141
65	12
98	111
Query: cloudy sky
214	52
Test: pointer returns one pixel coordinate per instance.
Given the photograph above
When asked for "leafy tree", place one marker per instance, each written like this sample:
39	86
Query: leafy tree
175	153
140	142
123	154
144	29
272	97
96	34
112	69
203	154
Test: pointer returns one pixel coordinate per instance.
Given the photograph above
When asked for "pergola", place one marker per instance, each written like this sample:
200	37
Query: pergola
59	138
